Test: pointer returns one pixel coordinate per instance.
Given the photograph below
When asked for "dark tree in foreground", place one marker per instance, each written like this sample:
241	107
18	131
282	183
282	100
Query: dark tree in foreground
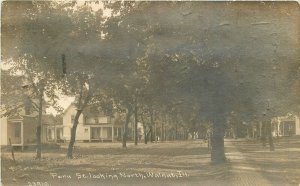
25	52
227	65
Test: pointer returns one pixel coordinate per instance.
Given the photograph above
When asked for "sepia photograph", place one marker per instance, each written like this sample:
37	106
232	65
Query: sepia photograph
155	93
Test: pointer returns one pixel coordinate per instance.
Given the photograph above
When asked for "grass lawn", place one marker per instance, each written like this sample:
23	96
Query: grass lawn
167	163
280	167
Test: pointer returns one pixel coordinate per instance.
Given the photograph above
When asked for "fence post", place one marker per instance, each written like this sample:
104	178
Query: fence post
12	151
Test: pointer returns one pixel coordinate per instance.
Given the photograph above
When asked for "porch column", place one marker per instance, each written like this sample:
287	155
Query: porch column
278	128
260	126
118	132
90	136
101	133
112	134
297	125
283	126
55	134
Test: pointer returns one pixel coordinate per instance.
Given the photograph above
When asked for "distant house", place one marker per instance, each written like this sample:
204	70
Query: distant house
53	128
286	126
20	125
93	125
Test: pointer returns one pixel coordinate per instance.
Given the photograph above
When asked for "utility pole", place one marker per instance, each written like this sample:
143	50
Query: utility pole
39	127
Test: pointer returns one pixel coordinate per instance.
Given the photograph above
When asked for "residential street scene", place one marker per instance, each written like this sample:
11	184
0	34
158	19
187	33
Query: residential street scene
150	93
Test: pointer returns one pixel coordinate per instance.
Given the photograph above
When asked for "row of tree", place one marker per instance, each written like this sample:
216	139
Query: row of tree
190	62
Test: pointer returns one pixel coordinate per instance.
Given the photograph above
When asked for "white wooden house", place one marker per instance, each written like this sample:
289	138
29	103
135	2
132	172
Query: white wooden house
286	126
91	127
53	128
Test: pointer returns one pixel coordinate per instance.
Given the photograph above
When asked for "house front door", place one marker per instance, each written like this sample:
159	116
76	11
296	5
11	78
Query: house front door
50	134
59	133
15	132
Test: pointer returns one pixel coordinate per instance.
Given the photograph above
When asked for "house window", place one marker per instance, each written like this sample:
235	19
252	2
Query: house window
96	120
27	105
27	109
17	127
86	130
72	119
115	131
85	119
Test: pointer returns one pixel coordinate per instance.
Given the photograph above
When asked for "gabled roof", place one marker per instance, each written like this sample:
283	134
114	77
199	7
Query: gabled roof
17	111
49	119
93	112
15	117
87	111
72	104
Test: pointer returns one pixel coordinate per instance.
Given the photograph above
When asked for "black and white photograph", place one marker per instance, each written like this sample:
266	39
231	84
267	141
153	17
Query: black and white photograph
155	93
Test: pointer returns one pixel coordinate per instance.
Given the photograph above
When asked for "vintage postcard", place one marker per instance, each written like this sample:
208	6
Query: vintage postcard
150	93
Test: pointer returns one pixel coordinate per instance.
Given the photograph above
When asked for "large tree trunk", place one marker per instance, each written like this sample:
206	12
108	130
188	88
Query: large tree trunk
263	134
186	135
39	126
145	136
217	141
151	134
176	131
136	124
124	139
73	134
162	131
145	129
258	131
270	137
